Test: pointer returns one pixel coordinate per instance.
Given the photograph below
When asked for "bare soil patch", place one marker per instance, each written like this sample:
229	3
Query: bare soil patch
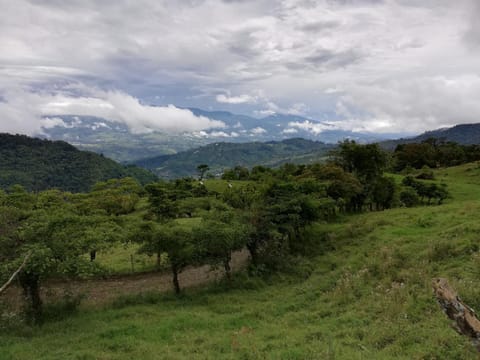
102	291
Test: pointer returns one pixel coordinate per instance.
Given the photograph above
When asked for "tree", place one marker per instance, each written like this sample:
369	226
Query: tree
57	240
367	162
383	192
56	236
202	169
218	237
237	173
174	240
116	196
162	200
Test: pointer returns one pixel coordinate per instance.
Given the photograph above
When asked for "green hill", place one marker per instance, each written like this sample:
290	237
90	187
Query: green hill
464	134
219	156
42	164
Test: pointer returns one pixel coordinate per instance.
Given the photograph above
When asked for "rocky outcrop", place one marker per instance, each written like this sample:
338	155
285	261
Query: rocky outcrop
464	319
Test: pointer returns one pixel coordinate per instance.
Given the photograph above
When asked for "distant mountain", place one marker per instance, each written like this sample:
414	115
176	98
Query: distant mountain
221	155
40	164
277	127
114	140
464	134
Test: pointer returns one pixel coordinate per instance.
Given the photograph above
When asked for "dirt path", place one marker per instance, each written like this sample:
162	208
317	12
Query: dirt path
98	292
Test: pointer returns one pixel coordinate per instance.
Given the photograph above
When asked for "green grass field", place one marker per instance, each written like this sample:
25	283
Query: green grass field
367	295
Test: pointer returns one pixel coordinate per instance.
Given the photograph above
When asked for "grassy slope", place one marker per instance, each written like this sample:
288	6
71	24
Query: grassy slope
368	297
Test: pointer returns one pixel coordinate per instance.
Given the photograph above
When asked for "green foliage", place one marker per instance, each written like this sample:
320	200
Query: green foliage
218	237
41	164
366	161
237	173
426	190
173	239
433	153
409	197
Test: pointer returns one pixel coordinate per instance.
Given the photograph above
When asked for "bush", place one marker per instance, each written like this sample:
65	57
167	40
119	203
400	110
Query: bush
409	197
426	174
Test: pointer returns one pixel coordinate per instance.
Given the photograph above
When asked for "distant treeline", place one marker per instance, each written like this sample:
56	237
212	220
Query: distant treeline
433	153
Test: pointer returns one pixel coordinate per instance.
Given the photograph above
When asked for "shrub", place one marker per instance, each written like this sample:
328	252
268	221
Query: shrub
409	197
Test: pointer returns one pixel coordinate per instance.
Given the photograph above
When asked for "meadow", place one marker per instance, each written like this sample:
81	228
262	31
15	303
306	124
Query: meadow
364	294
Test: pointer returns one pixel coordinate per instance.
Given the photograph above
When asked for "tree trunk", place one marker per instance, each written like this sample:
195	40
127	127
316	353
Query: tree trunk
158	259
176	284
228	269
93	255
252	249
31	288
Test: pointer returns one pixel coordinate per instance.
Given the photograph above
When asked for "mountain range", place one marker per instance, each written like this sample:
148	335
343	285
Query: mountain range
223	155
39	164
114	139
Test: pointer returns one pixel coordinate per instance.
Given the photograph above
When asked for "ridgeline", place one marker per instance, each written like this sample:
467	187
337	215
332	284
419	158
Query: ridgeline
42	164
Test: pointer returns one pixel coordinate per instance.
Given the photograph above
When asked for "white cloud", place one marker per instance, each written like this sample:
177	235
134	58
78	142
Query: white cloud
289	131
298	109
218	134
23	111
241	99
258	131
215	134
314	128
48	122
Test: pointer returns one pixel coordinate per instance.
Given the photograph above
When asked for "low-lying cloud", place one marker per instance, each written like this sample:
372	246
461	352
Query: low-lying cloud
29	112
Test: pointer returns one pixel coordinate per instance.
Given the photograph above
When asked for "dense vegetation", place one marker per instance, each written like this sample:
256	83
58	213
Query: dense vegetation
433	153
221	155
330	276
41	164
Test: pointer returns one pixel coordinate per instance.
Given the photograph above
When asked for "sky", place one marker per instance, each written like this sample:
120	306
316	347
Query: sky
380	66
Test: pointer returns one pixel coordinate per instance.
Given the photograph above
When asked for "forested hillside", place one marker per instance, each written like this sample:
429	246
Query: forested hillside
464	134
42	164
220	156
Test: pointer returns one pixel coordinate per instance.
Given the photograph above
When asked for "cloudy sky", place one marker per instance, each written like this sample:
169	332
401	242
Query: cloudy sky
369	65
